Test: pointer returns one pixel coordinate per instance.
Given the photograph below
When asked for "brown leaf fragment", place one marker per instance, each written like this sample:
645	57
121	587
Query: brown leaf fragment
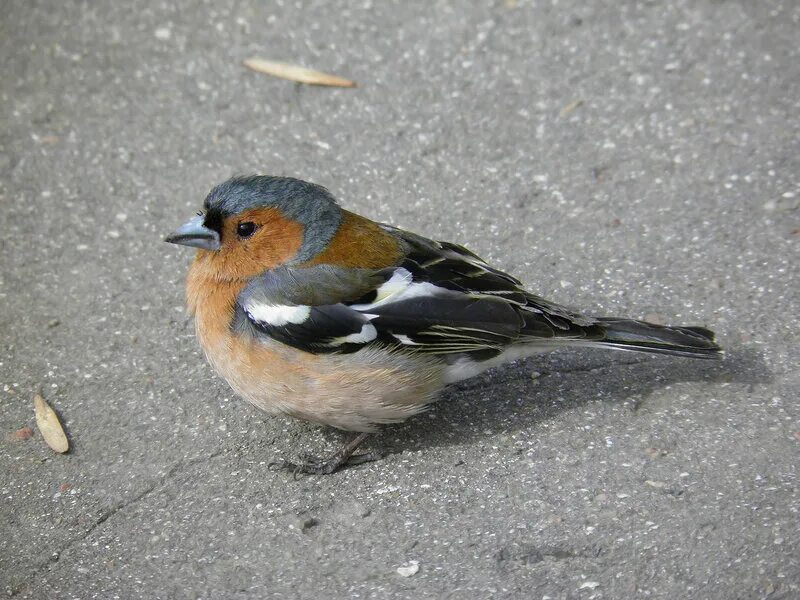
656	452
48	423
296	73
20	435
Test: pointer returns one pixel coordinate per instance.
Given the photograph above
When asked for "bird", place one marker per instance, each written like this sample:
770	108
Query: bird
309	310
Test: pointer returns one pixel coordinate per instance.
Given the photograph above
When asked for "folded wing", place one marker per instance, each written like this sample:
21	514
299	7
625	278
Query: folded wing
440	299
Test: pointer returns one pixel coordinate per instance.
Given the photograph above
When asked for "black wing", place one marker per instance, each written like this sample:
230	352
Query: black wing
440	299
454	267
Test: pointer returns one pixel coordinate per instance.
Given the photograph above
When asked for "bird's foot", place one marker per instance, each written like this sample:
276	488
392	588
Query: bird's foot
313	465
344	457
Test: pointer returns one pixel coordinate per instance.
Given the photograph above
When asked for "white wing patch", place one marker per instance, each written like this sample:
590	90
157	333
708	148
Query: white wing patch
404	339
400	286
277	315
367	334
398	282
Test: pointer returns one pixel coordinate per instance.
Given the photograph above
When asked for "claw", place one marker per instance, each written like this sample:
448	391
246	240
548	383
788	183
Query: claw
360	459
311	465
317	466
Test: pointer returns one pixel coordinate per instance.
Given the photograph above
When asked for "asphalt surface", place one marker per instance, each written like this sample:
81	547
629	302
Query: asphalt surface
624	158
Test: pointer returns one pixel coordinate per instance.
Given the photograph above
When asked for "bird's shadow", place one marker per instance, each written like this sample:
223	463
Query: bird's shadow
520	395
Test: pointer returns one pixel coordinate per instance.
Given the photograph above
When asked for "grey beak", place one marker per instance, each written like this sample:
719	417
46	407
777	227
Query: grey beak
194	233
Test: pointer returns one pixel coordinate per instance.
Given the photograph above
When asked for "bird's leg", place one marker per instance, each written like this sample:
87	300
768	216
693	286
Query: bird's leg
341	458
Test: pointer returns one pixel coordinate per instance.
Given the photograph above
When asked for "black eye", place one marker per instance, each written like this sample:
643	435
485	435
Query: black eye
245	229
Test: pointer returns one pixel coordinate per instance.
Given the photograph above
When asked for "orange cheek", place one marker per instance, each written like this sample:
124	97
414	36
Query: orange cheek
276	241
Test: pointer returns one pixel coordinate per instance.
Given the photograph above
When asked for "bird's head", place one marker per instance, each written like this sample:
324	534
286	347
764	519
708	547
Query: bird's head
251	224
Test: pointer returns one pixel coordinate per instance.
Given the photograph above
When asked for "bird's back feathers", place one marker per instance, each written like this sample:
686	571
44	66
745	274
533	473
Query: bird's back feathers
439	299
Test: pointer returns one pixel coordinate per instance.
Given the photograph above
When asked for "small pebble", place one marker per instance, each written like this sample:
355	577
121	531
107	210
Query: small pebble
308	523
409	570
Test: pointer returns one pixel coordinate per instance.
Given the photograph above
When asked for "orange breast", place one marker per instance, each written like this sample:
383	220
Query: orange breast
266	376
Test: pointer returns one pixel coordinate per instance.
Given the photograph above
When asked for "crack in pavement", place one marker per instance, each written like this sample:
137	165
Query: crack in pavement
110	512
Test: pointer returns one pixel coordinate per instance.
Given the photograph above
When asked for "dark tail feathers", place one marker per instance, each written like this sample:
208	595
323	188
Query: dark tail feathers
639	336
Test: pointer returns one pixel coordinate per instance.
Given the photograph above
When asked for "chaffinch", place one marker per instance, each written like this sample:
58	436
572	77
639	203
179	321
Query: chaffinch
313	311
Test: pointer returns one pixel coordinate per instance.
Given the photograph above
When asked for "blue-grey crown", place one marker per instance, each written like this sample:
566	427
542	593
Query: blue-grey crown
311	205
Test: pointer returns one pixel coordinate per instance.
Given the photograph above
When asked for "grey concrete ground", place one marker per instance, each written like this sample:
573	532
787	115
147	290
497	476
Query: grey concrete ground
633	158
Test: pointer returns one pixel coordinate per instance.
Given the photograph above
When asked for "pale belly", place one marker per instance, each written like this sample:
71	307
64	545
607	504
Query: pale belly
350	391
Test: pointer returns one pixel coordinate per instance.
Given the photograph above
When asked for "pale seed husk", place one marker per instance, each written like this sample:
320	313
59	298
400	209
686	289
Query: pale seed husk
48	423
296	73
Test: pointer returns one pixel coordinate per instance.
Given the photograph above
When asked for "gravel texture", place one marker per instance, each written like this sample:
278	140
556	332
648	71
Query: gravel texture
624	158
